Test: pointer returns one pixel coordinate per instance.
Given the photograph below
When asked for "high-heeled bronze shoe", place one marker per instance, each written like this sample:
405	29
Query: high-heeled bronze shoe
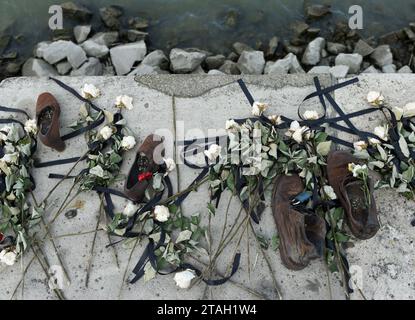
361	218
302	235
47	114
143	168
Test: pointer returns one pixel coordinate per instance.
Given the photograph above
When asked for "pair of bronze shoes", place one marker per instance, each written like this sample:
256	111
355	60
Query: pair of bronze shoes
302	233
145	165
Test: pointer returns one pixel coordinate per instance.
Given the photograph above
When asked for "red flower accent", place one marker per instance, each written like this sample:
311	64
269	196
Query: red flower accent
145	176
1	237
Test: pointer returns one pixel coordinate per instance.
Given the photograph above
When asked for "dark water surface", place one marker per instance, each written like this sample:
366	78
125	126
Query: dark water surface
203	24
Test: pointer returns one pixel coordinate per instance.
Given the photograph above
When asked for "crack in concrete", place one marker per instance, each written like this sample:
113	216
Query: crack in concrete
192	86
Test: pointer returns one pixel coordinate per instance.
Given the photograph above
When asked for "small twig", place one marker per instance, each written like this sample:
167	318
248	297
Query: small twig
126	267
91	255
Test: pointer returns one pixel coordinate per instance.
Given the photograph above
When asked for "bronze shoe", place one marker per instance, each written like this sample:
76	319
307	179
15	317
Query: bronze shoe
362	221
143	168
47	114
302	235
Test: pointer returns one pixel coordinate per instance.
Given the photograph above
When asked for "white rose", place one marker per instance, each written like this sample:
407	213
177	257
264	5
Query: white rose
130	209
97	171
409	110
357	169
213	152
398	112
11	158
124	102
381	132
128	142
161	213
310	115
375	98
170	164
89	91
276	120
184	278
360	145
106	132
231	125
297	132
8	257
328	190
30	126
258	108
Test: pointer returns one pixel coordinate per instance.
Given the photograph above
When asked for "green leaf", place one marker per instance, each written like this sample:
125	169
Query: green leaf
275	242
230	182
211	209
262	241
341	237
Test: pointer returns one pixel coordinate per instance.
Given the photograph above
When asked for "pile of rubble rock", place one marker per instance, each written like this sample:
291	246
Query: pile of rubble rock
120	51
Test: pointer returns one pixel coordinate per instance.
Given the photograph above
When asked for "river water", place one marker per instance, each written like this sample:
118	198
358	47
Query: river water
202	23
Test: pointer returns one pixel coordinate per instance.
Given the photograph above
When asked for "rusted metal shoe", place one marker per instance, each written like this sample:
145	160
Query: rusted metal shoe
47	114
302	235
146	163
361	215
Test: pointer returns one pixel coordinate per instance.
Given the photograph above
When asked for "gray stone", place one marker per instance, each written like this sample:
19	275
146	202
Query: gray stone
124	56
295	64
94	49
138	23
110	15
272	46
215	62
40	48
363	48
251	62
182	61
230	67
59	50
382	55
76	11
312	54
317	11
319	70
143	69
336	48
353	61
289	64
299	27
240	47
339	71
38	68
90	68
232	56
389	68
371	69
81	33
405	69
106	38
136	35
215	72
198	70
156	58
63	67
297	50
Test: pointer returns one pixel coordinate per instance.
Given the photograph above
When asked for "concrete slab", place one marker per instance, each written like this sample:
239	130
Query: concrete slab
178	104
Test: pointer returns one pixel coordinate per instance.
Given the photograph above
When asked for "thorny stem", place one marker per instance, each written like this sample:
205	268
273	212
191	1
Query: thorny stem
64	178
251	291
91	255
52	240
58	292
